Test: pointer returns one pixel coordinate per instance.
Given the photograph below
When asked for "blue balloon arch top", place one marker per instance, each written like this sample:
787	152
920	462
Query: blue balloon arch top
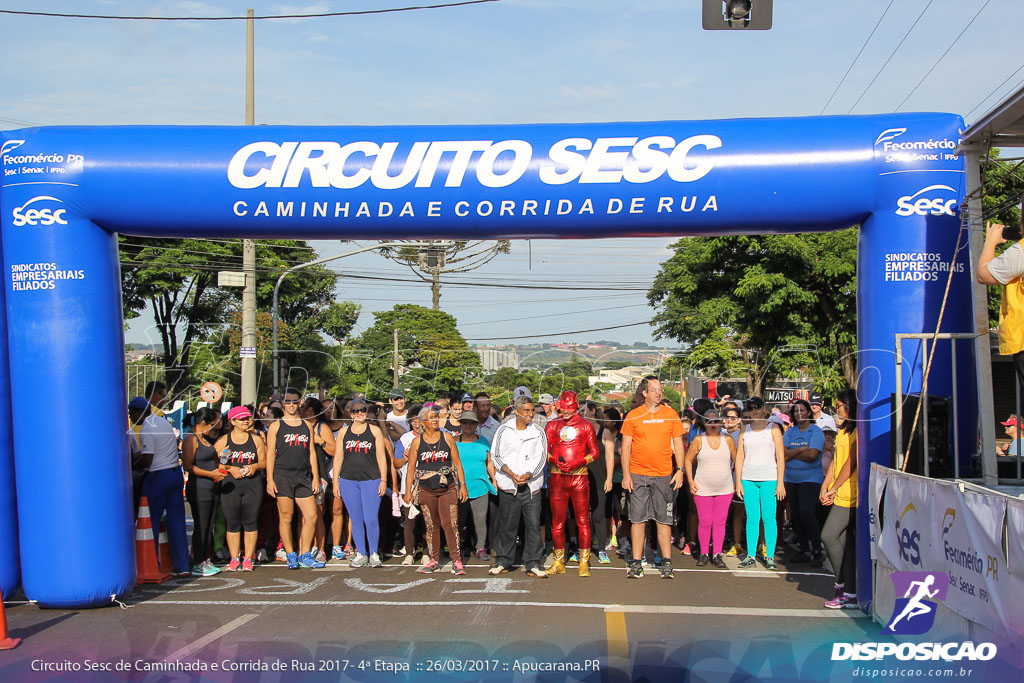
68	191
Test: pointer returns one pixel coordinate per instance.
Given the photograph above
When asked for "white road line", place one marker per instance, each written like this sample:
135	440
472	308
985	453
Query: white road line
197	645
737	611
632	609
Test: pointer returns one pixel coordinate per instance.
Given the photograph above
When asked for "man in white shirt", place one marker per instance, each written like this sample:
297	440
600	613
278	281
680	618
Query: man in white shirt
397	419
163	483
488	425
519	454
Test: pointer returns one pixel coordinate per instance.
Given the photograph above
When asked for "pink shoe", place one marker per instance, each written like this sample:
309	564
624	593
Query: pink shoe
247	564
845	601
481	554
233	566
458	569
687	550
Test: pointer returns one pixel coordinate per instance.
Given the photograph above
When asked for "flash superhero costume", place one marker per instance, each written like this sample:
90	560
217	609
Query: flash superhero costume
572	445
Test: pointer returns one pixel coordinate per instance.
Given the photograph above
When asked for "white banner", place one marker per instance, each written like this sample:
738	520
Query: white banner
967	529
878	477
1012	590
905	536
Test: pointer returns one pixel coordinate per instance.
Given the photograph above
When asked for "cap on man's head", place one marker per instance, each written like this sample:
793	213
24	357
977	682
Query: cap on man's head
138	403
1010	421
468	416
816	399
567	401
397	393
520	393
466	398
546	399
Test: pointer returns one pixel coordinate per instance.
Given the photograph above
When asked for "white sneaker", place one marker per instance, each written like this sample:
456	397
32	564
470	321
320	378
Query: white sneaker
375	560
538	573
407	562
359	560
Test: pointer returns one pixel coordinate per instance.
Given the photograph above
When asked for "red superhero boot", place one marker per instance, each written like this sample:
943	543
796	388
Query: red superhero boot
572	445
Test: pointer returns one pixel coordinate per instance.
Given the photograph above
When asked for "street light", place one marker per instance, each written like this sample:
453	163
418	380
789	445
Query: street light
737	14
277	289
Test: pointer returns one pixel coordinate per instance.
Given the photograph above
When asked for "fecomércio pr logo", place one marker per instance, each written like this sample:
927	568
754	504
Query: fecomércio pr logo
914	613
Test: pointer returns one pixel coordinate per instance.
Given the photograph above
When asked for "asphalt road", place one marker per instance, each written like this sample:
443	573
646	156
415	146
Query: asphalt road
395	624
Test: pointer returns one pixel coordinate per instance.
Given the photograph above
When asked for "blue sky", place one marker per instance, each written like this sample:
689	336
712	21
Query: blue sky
514	61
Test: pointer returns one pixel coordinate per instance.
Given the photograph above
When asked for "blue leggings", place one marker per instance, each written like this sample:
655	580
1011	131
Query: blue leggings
363	505
759	501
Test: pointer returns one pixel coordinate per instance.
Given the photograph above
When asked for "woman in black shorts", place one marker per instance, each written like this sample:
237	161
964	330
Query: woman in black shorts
242	455
199	460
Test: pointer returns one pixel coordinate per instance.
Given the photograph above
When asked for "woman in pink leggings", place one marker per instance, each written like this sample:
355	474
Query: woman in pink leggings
713	485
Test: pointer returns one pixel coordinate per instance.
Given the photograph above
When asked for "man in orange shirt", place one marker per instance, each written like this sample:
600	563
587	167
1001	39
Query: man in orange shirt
652	435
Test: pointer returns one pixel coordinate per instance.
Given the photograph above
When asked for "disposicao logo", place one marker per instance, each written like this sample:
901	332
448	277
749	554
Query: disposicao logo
914	613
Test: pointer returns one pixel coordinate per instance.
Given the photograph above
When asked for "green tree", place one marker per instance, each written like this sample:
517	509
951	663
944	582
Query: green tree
434	358
1003	183
739	301
430	260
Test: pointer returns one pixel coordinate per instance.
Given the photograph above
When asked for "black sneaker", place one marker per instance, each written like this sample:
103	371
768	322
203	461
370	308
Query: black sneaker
702	561
769	563
635	571
747	563
666	570
719	561
817	559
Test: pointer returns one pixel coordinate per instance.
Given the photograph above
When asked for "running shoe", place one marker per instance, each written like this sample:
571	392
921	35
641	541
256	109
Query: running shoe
602	557
458	569
281	555
481	554
234	565
319	555
205	568
837	591
430	567
498	569
718	561
747	563
337	553
247	564
769	563
658	559
575	557
736	550
635	571
348	548
666	570
309	561
762	551
221	556
817	559
613	542
359	560
702	561
845	601
407	561
293	560
375	561
686	549
537	573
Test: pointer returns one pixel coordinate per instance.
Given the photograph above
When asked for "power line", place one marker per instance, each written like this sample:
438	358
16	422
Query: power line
985	99
560	334
318	15
843	79
955	41
891	55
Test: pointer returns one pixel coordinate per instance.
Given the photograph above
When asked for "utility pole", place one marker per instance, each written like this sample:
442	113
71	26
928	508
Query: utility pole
248	351
394	361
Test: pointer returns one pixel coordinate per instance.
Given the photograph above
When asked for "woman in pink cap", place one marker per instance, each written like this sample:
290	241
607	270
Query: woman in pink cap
242	456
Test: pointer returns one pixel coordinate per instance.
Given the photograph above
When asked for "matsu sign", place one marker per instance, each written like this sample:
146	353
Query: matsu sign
67	192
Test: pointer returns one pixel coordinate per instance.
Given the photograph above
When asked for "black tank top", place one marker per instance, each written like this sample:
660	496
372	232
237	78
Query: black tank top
235	455
292	448
205	459
360	463
433	456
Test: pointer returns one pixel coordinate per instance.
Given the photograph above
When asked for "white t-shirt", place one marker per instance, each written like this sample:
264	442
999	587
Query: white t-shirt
759	455
826	423
1008	265
158	438
401	446
401	421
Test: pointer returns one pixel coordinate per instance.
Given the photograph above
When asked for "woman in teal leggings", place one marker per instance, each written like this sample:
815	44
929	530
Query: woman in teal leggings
761	465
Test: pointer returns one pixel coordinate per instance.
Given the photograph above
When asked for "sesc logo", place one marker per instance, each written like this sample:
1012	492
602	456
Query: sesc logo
39	216
908	539
889	134
914	613
934	205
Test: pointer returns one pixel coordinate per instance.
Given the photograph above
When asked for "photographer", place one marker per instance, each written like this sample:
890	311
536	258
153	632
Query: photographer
1006	269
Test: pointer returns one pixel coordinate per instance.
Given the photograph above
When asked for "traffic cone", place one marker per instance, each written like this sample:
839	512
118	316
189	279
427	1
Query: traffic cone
146	562
166	560
6	643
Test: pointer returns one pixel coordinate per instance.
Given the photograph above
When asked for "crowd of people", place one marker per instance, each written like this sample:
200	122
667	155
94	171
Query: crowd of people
349	479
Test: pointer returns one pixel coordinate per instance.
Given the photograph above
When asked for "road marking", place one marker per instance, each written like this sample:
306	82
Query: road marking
618	639
632	609
197	645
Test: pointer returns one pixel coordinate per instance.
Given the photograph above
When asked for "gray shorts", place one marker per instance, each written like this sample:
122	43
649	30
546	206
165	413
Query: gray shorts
652	498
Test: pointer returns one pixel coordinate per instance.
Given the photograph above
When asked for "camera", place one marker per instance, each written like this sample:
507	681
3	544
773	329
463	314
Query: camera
1011	233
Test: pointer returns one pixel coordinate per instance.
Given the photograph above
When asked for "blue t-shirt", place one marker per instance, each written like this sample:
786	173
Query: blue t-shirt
801	471
474	464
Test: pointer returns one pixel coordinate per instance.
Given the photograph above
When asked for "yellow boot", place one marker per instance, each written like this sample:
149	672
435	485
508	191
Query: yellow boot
558	565
585	562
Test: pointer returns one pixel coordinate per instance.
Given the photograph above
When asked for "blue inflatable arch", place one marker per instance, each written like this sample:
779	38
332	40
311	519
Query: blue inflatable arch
67	192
